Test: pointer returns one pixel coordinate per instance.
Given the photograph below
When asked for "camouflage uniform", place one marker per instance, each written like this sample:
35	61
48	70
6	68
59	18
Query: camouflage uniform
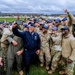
1	68
68	67
0	42
55	50
5	44
45	48
68	52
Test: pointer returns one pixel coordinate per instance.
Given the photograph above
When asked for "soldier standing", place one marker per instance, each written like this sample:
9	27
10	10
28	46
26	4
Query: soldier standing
55	46
58	24
15	51
5	44
50	24
45	36
1	58
68	51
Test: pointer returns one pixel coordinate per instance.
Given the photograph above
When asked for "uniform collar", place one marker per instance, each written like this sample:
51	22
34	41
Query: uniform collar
67	36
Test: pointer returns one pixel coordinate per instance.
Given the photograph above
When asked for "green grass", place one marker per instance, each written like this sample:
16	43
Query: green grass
10	19
37	71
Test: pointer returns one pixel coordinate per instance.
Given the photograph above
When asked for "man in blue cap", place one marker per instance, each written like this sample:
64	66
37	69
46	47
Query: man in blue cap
65	21
68	51
26	27
37	27
55	45
45	36
58	24
31	44
50	25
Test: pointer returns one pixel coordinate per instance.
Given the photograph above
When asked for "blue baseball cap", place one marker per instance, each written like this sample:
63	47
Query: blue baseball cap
37	21
64	28
64	19
32	24
45	26
49	21
29	23
57	20
55	28
26	25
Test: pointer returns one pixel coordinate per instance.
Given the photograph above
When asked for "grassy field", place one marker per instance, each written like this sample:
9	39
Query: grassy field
10	19
39	71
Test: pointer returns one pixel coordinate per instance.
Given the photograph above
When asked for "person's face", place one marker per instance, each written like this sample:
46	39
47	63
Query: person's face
64	22
64	32
54	31
36	24
26	29
57	23
44	30
44	21
40	20
31	29
50	25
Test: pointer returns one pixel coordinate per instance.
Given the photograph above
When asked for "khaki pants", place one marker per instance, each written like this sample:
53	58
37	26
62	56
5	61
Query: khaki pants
55	59
47	54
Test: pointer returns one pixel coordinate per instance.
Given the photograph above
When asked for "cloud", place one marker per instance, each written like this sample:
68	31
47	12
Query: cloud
37	6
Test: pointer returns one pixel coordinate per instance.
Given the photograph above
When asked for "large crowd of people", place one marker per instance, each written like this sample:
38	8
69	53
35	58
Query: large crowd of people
38	41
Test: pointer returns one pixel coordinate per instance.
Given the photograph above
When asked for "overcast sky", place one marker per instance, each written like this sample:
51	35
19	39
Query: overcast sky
37	6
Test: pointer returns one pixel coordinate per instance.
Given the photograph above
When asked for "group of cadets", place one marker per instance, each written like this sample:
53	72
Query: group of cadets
49	41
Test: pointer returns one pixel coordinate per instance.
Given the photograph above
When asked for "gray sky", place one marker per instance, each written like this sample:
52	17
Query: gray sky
37	6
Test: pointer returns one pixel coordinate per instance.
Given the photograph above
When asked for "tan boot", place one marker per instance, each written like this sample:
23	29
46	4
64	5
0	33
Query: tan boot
50	72
41	64
62	72
47	67
21	72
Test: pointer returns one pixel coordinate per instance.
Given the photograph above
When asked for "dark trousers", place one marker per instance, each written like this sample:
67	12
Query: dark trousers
28	57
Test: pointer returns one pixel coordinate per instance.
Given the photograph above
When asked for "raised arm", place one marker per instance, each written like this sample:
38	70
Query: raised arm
16	31
70	16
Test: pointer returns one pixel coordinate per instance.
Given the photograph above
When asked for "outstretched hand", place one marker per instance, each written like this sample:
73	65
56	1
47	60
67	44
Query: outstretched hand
14	43
14	25
66	11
